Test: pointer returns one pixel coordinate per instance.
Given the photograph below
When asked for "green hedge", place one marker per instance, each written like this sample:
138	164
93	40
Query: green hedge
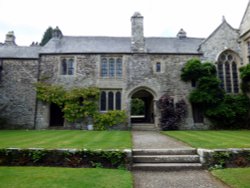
66	158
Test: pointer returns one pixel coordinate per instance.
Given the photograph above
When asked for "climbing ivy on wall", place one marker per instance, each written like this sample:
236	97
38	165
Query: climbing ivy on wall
224	110
245	76
78	104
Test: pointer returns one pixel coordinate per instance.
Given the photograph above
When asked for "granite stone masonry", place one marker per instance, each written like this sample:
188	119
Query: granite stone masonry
123	68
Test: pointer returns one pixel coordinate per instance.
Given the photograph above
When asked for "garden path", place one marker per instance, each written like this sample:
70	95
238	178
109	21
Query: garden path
168	179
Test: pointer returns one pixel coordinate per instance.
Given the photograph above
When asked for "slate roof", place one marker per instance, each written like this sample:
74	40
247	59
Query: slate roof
121	45
24	52
69	44
173	45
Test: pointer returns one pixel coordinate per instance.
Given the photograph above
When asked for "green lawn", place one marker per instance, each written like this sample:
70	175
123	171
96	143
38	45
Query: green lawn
235	177
213	139
52	139
34	177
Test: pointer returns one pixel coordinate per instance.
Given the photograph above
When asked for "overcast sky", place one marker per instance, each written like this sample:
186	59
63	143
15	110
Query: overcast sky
199	18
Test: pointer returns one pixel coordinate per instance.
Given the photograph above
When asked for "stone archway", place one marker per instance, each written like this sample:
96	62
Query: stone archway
148	99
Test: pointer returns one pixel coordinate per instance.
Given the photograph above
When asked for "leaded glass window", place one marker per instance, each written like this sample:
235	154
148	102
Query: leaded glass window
104	67
110	100
158	67
119	67
103	101
228	71
67	66
118	100
111	67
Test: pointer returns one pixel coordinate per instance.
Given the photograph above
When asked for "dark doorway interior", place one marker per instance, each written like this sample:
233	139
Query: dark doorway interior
56	116
148	115
198	115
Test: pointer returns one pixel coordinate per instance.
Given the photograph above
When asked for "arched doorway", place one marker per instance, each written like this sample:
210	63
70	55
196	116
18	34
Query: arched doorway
146	107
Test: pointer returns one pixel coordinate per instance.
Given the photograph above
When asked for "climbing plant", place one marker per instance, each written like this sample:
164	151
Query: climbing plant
171	114
224	110
77	103
245	76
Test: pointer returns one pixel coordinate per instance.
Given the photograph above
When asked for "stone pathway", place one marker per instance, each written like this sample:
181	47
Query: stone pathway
168	179
154	140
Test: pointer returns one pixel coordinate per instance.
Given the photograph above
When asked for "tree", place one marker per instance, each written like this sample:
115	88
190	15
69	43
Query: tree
137	106
47	36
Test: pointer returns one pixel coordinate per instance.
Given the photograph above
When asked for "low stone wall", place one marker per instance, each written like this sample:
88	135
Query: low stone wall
66	158
225	158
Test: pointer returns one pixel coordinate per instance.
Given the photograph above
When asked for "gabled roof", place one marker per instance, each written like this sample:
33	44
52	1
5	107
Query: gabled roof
244	25
223	24
69	44
24	52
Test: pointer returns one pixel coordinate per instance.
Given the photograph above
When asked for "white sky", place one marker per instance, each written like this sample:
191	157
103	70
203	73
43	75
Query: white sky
199	18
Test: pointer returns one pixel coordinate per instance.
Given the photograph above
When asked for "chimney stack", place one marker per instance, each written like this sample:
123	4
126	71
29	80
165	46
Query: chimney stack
137	38
57	33
10	38
182	34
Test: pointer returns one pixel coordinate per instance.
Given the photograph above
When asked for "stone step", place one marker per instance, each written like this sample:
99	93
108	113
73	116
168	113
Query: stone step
166	159
178	151
166	166
144	127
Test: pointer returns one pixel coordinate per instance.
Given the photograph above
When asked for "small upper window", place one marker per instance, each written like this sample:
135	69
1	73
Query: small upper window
67	66
111	68
158	67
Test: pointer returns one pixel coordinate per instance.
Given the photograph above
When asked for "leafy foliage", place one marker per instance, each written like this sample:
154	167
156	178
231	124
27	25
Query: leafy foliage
65	157
50	93
47	36
171	114
226	111
137	106
207	92
76	104
194	70
245	76
109	119
232	112
80	103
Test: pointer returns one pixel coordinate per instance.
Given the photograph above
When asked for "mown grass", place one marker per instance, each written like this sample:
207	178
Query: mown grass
36	177
213	139
51	139
235	177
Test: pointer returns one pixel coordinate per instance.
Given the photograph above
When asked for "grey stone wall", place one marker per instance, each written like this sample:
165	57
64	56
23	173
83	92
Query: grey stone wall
85	75
138	72
141	74
223	38
17	93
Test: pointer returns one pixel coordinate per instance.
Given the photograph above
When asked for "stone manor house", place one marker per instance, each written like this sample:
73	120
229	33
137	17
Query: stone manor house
122	67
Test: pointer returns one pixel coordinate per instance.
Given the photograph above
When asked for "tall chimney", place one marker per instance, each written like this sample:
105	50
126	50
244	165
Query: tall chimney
10	38
137	38
57	33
